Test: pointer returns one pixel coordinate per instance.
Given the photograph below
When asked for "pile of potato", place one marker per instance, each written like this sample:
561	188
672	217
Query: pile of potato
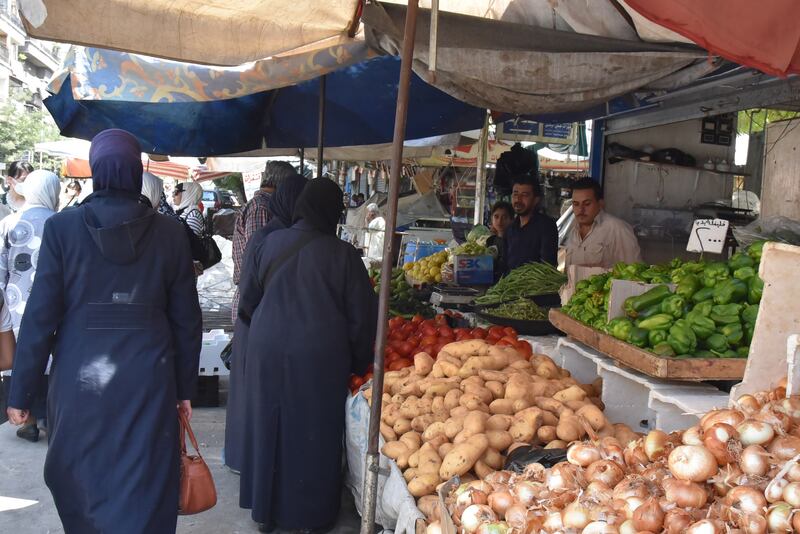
464	411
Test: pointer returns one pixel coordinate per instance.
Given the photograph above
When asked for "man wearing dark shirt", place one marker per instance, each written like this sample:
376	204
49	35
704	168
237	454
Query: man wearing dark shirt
533	236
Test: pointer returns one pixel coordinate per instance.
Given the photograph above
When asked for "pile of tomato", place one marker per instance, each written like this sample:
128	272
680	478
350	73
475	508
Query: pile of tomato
409	337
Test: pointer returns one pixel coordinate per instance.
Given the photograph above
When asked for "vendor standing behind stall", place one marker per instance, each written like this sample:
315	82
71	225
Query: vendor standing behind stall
533	236
598	239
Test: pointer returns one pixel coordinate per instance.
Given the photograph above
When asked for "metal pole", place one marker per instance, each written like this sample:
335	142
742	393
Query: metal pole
321	130
373	455
302	159
480	178
434	37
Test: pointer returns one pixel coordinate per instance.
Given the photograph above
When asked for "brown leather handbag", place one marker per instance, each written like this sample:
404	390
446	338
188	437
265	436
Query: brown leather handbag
197	492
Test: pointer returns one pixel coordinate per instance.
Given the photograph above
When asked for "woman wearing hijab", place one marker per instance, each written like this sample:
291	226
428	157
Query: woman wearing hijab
311	313
185	198
281	208
19	249
152	189
114	301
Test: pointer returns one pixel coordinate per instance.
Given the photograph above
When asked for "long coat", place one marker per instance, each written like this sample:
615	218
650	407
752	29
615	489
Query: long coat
312	326
116	304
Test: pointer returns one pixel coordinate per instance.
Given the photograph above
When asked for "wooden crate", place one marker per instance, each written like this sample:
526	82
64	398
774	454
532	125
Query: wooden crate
647	362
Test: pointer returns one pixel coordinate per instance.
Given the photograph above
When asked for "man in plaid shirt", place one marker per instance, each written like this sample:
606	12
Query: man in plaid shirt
254	216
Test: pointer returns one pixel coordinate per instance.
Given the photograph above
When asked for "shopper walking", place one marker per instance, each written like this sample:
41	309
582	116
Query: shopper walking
311	312
152	189
281	208
19	248
185	197
114	301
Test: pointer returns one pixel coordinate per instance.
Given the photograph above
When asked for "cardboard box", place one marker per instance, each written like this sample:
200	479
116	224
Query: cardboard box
473	270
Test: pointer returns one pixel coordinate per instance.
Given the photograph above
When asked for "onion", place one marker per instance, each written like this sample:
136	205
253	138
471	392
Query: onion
613	451
684	493
692	462
748	404
552	522
785	447
753	461
632	486
746	499
599	492
471	496
753	524
676	520
779	518
476	515
791	494
793	473
599	527
526	492
731	417
705	526
575	516
630	505
796	522
434	528
583	454
517	517
500	501
608	472
502	477
790	407
627	527
654	445
692	436
479	485
634	454
493	528
655	473
563	477
649	516
774	491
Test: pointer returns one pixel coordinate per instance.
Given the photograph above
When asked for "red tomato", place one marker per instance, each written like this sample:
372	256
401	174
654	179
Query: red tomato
460	330
479	333
441	320
395	335
407	329
368	376
525	348
429	330
396	322
509	331
405	349
510	340
429	340
417	319
414	341
439	346
402	363
505	342
446	331
356	382
497	331
392	356
492	339
430	349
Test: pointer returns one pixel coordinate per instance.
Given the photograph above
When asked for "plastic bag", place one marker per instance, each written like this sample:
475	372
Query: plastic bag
775	228
521	457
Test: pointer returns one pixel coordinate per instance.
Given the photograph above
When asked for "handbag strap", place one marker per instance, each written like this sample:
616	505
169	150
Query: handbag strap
186	428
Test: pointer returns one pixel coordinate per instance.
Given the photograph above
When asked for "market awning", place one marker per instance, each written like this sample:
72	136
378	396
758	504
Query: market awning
763	35
217	32
360	109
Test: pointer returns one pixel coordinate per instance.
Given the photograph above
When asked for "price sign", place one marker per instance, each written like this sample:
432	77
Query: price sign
252	183
708	235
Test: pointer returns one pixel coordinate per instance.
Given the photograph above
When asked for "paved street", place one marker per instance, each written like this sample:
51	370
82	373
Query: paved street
26	506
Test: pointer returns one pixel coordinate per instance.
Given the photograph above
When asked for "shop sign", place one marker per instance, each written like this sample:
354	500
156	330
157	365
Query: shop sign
538	132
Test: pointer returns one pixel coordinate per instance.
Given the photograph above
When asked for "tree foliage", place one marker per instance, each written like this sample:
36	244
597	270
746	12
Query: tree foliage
21	128
755	120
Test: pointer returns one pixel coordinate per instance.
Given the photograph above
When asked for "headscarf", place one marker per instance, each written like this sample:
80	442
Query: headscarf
320	205
40	189
116	161
283	201
152	188
192	193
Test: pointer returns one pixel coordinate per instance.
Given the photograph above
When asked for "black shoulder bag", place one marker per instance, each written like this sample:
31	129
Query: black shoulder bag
204	248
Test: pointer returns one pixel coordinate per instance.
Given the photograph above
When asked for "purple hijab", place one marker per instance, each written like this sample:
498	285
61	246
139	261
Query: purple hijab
116	161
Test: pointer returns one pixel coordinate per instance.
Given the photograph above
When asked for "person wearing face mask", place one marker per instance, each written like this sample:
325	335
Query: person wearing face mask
532	236
17	172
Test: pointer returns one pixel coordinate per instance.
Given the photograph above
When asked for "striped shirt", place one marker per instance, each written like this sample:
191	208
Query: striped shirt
194	219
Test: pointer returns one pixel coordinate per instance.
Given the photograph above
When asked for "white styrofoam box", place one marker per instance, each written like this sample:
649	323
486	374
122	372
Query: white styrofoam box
213	343
633	398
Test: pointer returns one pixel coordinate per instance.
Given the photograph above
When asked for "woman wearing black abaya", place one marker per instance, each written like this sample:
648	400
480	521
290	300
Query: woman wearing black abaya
114	301
311	312
281	207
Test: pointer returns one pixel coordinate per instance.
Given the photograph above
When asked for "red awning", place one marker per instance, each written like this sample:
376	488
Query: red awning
763	35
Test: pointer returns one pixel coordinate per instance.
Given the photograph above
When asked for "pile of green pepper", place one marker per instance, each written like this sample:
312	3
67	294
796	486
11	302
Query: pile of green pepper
711	313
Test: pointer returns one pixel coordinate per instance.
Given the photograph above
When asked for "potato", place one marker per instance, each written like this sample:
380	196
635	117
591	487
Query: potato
548	369
525	425
574	405
421	422
388	432
597	402
546	434
521	365
435	429
502	407
424	406
398	399
493	376
451	399
499	422
423	363
493	459
481	392
429	505
445	448
409	407
499	440
497	389
592	415
449	369
437	405
446	357
463	456
472	402
550	405
570	393
413	460
517	386
459	411
520	405
569	428
422	485
453	426
393	449
429	461
550	419
441	387
475	422
390	413
470	382
470	347
411	388
413	440
438	441
517	445
557	444
401	426
482	470
409	474
461	437
497	361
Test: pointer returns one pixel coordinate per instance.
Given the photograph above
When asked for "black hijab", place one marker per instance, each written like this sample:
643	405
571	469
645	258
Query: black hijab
116	161
283	201
320	205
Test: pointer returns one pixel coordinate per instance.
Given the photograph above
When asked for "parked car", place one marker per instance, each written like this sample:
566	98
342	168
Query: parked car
218	199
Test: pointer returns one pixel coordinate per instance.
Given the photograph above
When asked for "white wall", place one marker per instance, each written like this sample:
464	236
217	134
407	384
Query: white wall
780	194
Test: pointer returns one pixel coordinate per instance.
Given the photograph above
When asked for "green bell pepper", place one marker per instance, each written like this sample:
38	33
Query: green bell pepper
645	300
704	354
730	353
726	313
599	323
688	286
704	294
755	288
744	273
649	312
715	273
733	333
663	349
749	314
704	308
749	330
701	325
582	286
716	342
743	352
739	260
654	337
620	328
732	290
638	336
673	305
755	250
682	339
659	321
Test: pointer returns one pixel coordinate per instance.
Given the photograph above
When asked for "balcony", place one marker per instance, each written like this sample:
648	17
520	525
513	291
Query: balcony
39	55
